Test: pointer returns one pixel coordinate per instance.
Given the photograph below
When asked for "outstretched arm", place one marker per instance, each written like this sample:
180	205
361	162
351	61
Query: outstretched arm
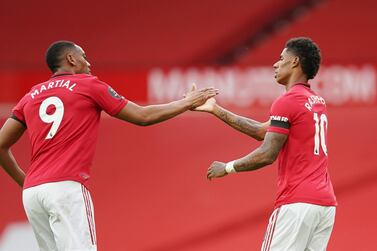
253	128
264	155
10	133
152	114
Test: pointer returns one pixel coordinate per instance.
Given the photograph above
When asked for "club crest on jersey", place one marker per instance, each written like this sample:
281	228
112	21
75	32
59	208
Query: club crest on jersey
113	93
279	118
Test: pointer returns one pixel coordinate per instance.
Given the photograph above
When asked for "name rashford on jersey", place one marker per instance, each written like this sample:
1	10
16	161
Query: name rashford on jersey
303	162
62	117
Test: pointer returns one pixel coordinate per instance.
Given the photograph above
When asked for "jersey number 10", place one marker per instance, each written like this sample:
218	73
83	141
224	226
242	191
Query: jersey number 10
54	118
320	133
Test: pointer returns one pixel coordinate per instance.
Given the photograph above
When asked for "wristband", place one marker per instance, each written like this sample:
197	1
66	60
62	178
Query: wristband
229	168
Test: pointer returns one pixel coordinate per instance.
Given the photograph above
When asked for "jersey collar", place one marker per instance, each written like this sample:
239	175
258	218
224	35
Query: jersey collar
304	84
61	74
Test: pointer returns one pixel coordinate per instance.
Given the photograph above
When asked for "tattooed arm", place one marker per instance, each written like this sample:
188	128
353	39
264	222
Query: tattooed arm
264	155
250	127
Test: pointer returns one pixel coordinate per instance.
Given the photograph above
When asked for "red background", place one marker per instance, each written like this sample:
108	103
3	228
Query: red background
148	184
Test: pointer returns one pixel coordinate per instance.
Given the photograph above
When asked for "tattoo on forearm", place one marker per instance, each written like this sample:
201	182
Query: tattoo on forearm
263	155
252	161
242	124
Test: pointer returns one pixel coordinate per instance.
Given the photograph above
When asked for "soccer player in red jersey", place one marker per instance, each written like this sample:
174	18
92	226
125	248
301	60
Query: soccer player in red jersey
296	134
62	116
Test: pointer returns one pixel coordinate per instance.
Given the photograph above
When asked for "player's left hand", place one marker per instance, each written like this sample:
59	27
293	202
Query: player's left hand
216	170
210	93
208	106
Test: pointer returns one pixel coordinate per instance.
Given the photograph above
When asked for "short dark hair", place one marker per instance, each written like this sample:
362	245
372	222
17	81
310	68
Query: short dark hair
54	53
308	52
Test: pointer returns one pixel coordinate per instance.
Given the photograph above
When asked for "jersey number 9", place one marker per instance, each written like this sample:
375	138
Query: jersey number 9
55	118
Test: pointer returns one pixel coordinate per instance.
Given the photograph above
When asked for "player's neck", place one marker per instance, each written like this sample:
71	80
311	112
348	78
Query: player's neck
294	80
64	70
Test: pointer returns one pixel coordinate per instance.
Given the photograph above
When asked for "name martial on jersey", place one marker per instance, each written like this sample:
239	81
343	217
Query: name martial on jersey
62	83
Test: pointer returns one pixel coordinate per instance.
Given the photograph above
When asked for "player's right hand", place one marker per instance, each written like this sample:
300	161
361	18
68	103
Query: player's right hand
208	106
199	97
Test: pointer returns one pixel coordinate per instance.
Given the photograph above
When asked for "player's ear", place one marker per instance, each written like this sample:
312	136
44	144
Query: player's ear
295	61
70	59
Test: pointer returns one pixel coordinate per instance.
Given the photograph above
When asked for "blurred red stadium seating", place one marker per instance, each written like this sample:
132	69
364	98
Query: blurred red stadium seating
133	33
344	29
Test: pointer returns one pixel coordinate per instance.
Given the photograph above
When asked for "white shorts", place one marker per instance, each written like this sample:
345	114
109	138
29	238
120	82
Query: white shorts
299	227
61	215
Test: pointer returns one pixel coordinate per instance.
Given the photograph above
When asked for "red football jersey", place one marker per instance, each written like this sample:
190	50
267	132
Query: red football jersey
303	161
62	117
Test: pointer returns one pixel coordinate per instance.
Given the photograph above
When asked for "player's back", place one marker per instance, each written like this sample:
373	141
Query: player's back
62	117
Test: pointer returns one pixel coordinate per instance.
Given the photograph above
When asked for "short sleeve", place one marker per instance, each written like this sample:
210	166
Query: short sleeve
281	115
18	111
107	98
